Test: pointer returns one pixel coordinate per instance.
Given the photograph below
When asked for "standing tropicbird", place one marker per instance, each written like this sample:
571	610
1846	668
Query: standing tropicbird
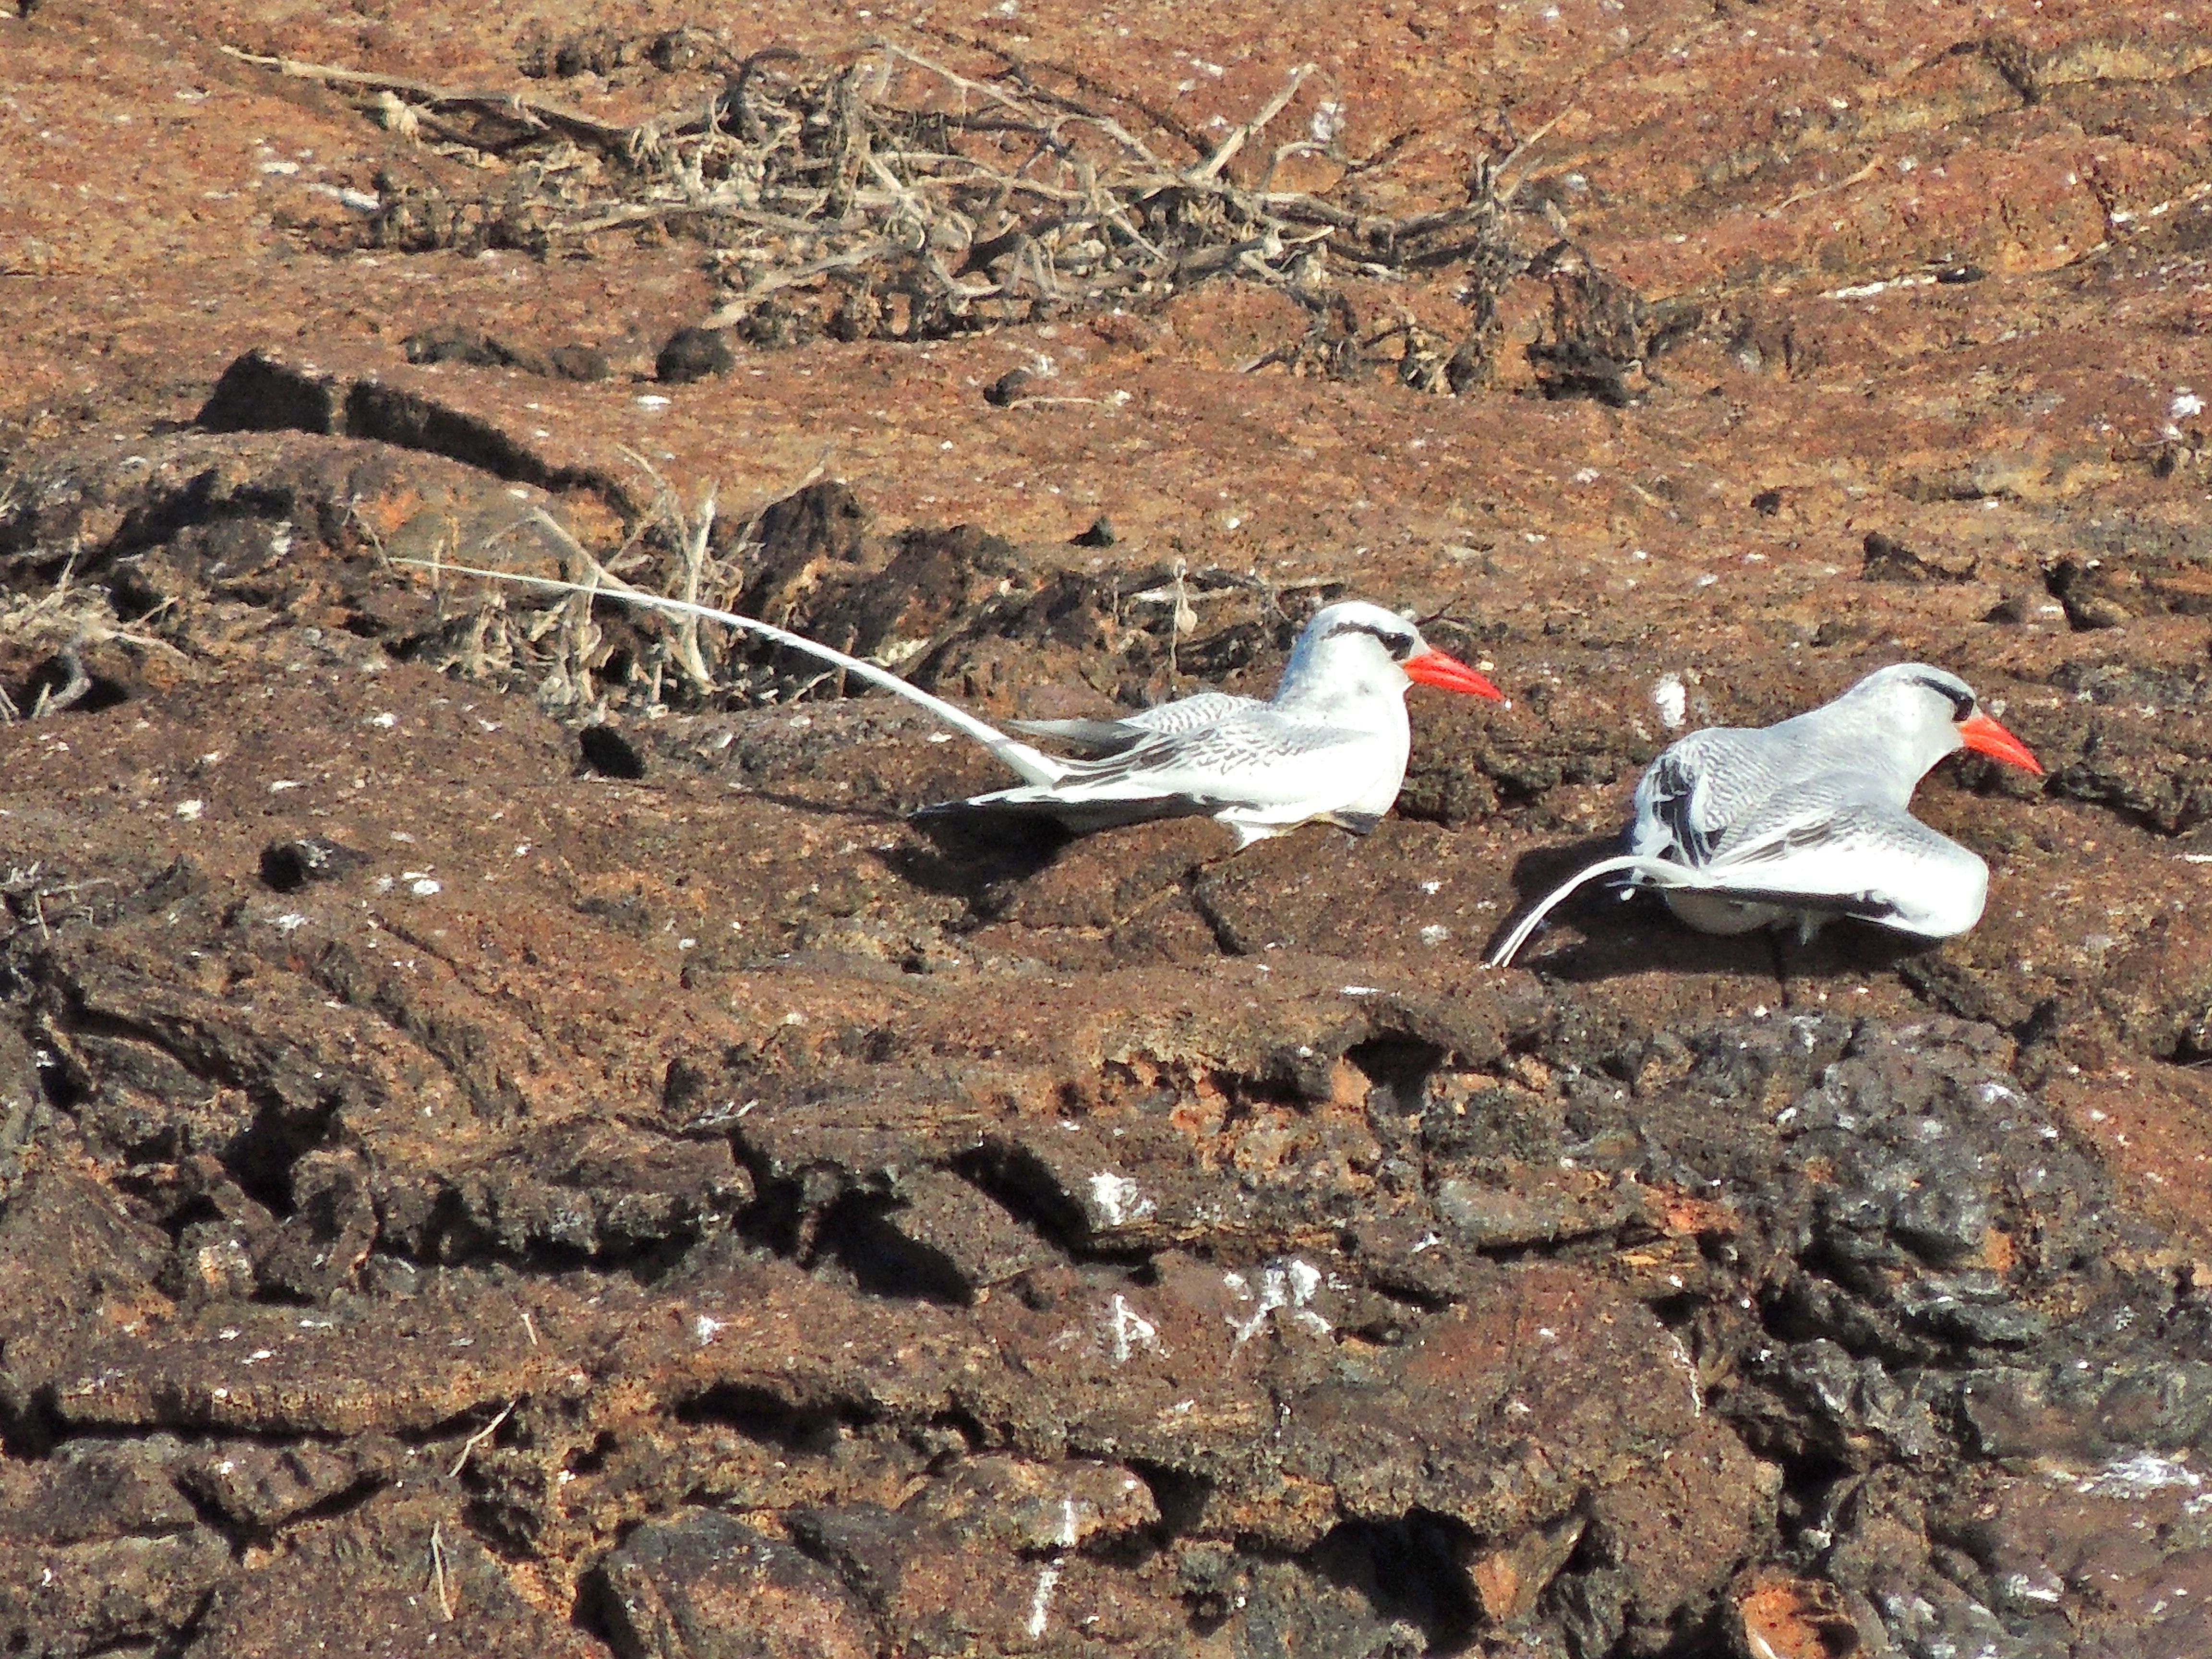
1330	745
1806	820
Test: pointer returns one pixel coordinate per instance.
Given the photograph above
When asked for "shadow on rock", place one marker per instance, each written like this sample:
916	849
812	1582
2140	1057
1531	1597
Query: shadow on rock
971	855
812	807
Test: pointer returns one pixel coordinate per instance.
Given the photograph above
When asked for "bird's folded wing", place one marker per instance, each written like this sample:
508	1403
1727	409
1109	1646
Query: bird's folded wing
1254	760
1108	738
1197	711
1843	859
1094	737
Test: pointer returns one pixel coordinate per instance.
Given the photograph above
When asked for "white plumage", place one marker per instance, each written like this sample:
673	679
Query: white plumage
1330	745
1807	820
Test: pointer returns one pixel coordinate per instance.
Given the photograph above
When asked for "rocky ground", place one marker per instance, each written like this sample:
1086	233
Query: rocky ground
509	1138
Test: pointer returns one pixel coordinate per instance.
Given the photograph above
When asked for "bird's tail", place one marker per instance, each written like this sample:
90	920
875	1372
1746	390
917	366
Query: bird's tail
1663	872
1032	765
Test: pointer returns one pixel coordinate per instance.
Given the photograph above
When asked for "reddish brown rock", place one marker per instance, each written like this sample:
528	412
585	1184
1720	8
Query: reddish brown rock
462	1179
704	1586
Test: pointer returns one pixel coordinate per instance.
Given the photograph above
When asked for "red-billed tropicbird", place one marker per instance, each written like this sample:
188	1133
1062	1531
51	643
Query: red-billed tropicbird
1806	820
1330	745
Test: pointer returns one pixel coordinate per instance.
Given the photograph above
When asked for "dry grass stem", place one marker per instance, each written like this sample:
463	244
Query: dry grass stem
468	1446
438	1571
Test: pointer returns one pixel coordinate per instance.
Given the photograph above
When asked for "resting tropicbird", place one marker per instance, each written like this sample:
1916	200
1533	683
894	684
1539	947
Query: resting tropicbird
1330	745
1805	820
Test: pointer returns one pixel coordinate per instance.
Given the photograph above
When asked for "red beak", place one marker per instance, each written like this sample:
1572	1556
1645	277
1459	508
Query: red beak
1986	737
1434	667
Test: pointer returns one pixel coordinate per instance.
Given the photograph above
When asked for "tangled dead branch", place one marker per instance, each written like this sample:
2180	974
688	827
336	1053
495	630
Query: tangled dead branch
803	562
887	195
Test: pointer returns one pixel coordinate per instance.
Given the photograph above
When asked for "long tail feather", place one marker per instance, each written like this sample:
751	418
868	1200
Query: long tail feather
1661	870
1032	765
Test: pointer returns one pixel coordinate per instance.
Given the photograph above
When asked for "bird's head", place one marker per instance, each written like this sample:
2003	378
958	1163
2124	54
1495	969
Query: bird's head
1932	712
1352	648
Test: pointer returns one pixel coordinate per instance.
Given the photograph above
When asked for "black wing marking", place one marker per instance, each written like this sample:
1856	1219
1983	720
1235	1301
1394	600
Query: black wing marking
1807	835
1152	749
1863	906
1673	803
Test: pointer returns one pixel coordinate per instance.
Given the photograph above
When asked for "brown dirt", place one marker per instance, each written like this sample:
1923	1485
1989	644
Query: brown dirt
637	1194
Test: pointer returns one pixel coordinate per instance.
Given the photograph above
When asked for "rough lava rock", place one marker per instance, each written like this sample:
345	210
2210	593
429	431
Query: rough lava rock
510	1139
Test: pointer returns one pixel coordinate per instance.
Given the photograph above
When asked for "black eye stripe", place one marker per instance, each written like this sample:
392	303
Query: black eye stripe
1961	701
1396	644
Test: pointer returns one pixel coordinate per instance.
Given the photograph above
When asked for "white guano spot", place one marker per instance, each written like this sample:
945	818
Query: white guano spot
1284	1288
2137	1476
1671	699
1117	1200
190	811
705	1330
1128	1330
1041	1599
1690	1369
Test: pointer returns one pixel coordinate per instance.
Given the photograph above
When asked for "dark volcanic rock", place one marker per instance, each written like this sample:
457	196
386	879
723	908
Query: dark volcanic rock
693	353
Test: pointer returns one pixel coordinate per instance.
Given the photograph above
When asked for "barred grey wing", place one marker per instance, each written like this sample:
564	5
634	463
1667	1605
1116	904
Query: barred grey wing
1106	738
1095	738
1211	761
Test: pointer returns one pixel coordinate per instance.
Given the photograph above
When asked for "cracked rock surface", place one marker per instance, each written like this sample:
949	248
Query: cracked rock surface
509	1136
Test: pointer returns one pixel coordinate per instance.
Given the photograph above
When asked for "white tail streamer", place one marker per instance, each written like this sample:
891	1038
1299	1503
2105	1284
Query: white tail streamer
1663	872
1032	765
